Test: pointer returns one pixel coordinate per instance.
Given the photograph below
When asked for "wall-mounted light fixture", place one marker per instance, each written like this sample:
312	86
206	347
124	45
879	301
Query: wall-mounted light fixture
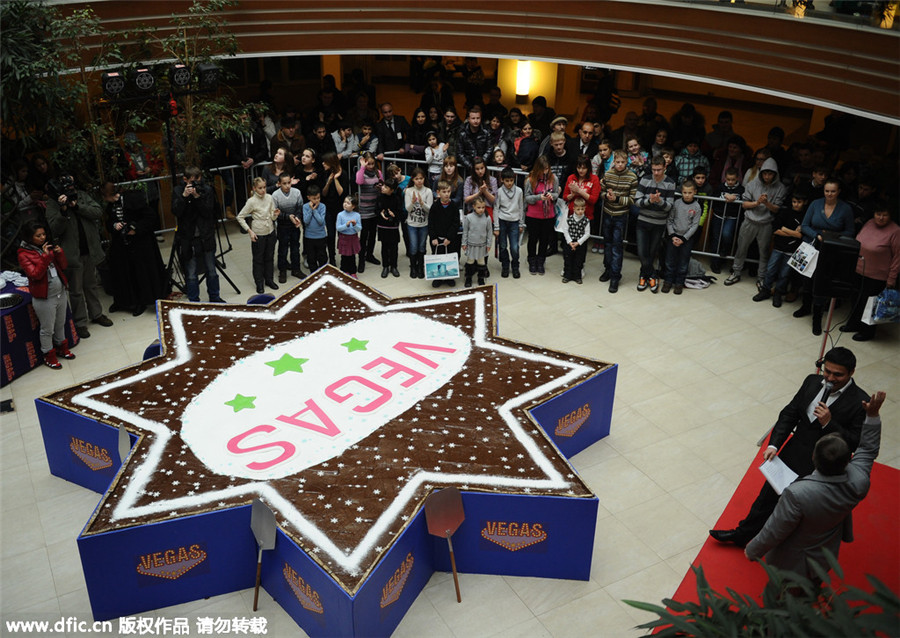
523	81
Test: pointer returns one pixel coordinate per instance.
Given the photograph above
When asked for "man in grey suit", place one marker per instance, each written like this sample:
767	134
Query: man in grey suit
814	511
814	412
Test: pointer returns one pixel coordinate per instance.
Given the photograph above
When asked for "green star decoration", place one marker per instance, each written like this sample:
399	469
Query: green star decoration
240	402
355	344
287	363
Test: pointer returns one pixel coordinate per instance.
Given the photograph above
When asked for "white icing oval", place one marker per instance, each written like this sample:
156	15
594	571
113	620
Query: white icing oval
302	402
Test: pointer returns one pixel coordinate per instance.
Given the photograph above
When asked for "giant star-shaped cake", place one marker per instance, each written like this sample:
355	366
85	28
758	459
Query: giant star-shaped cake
339	407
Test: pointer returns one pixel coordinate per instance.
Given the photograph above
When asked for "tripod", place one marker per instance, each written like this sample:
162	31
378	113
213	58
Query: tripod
175	269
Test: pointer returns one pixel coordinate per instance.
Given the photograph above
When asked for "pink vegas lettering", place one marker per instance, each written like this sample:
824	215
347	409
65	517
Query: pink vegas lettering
367	393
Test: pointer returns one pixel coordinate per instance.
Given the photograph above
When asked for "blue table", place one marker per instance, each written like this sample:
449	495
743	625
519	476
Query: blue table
20	343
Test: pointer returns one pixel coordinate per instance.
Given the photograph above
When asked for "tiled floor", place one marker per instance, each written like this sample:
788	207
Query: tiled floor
701	377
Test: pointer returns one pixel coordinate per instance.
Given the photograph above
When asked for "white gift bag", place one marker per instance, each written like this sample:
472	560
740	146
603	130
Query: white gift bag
804	259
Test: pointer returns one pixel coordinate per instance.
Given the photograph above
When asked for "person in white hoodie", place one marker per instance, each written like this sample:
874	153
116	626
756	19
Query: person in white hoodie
762	199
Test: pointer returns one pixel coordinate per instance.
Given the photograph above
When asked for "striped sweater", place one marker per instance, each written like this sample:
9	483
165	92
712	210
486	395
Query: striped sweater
655	213
624	186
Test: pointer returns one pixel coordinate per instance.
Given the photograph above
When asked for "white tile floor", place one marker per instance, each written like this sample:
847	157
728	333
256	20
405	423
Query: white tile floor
701	377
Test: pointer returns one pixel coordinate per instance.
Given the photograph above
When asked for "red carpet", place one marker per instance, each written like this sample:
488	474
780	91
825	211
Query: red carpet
876	550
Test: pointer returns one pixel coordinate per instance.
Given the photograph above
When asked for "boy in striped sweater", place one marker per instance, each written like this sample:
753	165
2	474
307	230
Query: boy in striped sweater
619	189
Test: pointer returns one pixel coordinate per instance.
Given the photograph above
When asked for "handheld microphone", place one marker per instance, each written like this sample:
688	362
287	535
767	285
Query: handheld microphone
828	386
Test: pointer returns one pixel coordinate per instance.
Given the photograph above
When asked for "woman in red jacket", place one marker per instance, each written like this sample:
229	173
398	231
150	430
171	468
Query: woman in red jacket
582	183
44	264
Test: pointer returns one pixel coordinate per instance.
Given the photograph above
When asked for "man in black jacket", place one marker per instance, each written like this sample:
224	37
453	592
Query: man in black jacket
195	239
814	412
392	131
474	140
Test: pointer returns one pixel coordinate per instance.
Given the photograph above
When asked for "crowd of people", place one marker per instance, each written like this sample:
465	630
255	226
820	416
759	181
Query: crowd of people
664	188
329	184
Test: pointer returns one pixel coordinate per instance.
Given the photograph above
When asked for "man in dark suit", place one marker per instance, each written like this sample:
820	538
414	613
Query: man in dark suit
392	131
584	143
809	418
814	511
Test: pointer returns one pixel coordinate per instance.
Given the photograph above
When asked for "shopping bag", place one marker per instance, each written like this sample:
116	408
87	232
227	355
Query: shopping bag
882	308
441	266
804	259
561	212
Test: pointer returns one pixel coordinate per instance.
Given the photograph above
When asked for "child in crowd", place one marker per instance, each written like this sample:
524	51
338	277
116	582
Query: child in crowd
418	200
602	161
681	226
345	142
334	186
394	173
700	178
509	222
638	160
669	155
320	141
450	174
476	241
443	223
689	160
316	233
787	238
390	213
619	187
348	225
585	185
435	153
260	208
499	158
368	141
289	204
44	264
368	177
725	219
541	193
660	141
479	184
575	233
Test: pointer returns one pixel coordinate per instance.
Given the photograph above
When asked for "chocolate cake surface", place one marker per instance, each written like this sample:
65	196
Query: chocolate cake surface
340	408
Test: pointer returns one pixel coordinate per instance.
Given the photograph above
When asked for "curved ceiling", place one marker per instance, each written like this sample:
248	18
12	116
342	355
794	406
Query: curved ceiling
844	67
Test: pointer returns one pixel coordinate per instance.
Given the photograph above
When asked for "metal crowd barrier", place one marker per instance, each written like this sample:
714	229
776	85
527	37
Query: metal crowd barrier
703	249
227	179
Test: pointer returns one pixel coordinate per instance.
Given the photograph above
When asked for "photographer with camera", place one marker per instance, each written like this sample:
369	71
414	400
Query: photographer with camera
195	239
137	273
74	219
